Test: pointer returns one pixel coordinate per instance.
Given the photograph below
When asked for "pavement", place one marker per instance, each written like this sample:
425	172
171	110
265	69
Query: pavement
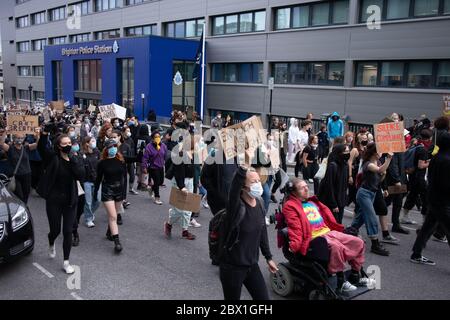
153	267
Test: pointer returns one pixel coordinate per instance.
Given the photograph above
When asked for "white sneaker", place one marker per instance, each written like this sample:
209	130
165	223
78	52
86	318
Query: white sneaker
90	224
194	224
267	221
310	180
205	203
368	282
52	251
347	287
67	267
158	202
407	220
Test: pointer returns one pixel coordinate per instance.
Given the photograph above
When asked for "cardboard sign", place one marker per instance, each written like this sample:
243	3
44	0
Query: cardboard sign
446	106
15	113
58	106
398	189
187	202
112	111
121	112
92	108
389	137
22	124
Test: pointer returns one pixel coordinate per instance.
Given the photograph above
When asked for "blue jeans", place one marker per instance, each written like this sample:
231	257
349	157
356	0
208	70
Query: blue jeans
202	191
90	205
365	212
267	193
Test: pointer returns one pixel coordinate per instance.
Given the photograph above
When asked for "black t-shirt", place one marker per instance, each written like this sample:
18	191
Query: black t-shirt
14	155
62	188
420	154
312	153
371	180
110	171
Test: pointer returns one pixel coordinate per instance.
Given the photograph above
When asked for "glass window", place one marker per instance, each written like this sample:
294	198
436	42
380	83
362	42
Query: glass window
397	9
367	74
340	11
366	4
38	71
217	72
260	21
230	72
179	29
245	22
420	74
426	8
218	25
283	18
191	28
443	75
258	72
147	30
200	24
280	72
446	6
392	74
320	15
245	72
318	71
171	30
231	24
336	71
297	73
300	17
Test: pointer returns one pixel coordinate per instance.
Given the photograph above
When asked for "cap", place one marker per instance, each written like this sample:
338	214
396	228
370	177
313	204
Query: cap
110	143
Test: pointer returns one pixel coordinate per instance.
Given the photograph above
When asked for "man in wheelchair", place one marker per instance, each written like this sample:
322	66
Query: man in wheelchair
309	223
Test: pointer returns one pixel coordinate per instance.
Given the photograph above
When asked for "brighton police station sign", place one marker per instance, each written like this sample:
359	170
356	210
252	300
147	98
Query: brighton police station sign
104	49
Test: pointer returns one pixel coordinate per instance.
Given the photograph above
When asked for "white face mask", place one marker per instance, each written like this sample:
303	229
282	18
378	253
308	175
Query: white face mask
256	190
128	134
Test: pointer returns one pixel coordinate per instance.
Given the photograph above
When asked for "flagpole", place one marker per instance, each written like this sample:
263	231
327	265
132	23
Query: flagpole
202	98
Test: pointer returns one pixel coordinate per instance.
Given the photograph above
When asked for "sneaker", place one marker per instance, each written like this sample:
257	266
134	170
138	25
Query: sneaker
126	204
52	251
439	239
367	282
90	224
407	220
347	287
310	180
205	203
267	221
134	192
422	260
187	235
150	193
158	202
119	219
273	199
168	230
68	268
75	240
380	250
390	239
398	229
194	224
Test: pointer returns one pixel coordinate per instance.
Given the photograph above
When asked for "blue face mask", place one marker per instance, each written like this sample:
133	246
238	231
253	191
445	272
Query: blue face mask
112	152
93	145
76	148
131	123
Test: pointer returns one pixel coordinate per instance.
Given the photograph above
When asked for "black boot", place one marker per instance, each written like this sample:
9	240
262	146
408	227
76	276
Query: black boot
75	239
117	245
108	235
377	248
119	219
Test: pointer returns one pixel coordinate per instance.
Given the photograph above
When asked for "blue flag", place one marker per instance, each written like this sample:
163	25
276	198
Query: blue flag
198	59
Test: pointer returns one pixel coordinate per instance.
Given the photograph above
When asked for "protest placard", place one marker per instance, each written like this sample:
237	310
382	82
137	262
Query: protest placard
112	111
185	201
57	106
389	137
121	112
446	105
92	108
22	124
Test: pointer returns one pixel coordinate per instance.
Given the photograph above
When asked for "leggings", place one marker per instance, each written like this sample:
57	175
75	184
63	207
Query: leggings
80	210
23	187
277	183
233	277
36	171
131	168
56	211
157	175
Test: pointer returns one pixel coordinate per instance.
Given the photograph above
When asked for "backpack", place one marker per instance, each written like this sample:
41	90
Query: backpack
215	236
168	168
410	156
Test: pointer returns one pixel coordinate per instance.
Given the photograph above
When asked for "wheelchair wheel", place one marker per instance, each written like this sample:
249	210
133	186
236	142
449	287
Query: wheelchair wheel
317	295
282	281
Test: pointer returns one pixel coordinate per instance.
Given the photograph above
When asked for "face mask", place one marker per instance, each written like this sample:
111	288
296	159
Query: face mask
112	152
128	134
314	146
364	143
116	124
66	149
75	148
86	121
18	141
346	156
256	190
93	145
157	140
72	134
131	123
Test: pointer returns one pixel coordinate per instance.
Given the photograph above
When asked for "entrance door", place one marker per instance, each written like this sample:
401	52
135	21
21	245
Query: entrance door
184	97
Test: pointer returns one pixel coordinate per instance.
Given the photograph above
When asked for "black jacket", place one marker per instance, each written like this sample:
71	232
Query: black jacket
128	150
333	187
396	170
90	161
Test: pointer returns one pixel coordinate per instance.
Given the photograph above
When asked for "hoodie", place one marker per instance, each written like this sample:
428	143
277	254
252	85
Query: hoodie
439	174
335	128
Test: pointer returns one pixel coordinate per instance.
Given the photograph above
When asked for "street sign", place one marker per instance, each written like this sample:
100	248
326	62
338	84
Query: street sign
271	83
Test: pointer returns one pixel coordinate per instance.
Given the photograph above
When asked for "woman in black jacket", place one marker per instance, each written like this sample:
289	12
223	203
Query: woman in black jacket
91	157
59	187
129	153
333	187
245	233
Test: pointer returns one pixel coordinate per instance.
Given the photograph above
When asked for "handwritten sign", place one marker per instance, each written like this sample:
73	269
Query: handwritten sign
22	124
185	201
92	108
112	111
15	113
389	137
446	106
58	106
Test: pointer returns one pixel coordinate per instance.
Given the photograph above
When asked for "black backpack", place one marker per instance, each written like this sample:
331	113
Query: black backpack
216	236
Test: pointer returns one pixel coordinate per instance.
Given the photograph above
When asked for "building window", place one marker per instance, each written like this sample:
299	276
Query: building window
397	9
426	8
364	15
140	31
446	6
84	37
24	94
38	71
309	73
109	34
312	15
24	71
84	8
404	74
57	40
104	5
57	68
57	14
23	22
38	45
126	68
89	75
38	18
185	29
131	2
39	96
23	46
240	23
237	72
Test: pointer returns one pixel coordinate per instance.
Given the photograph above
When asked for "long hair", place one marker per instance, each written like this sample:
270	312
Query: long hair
371	150
57	141
85	144
335	155
118	156
106	126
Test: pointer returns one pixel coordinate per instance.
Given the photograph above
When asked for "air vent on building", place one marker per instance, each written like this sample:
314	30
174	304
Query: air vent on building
11	41
13	65
11	18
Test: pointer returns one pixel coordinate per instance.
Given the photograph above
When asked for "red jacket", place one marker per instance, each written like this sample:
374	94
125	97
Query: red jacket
299	228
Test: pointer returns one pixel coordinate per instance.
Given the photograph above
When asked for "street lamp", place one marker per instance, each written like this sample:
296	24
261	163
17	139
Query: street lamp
143	106
30	89
271	87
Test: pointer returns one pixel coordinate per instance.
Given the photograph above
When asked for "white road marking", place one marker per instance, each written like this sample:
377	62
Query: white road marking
77	297
43	270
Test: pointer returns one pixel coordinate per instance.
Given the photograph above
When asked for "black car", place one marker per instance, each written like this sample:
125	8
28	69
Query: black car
16	225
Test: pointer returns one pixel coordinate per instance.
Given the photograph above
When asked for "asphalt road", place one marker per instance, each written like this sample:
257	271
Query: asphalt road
152	267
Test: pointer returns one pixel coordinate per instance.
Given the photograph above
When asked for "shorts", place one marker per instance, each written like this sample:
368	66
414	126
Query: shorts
112	192
379	204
